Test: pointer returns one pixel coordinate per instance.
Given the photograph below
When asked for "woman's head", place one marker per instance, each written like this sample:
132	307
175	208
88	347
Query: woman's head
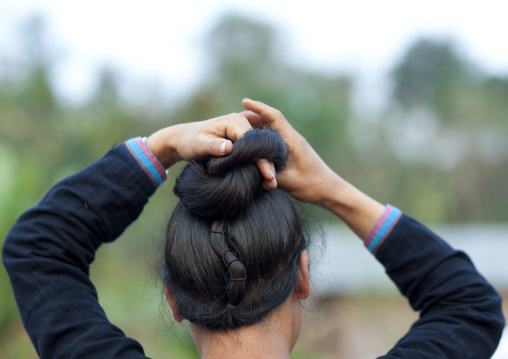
232	248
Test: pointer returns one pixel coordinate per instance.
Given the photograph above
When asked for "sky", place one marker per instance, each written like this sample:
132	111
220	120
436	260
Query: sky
160	41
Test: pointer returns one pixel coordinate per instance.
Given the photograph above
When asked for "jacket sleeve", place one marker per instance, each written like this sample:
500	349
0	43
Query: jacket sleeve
48	251
460	312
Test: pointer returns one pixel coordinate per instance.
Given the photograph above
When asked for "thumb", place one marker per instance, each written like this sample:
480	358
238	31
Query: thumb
220	147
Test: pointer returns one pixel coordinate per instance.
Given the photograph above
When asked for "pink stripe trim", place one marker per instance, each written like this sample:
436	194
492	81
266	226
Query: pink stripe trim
150	155
387	233
143	167
378	225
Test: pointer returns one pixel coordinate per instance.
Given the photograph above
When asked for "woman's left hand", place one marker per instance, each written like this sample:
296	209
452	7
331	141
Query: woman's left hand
198	140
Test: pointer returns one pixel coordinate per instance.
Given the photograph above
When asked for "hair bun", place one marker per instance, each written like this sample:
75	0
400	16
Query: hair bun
223	187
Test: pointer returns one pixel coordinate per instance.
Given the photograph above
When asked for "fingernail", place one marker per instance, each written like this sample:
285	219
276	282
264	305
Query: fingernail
223	147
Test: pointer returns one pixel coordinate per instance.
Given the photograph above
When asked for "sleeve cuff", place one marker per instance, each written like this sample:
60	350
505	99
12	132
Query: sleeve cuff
382	228
147	161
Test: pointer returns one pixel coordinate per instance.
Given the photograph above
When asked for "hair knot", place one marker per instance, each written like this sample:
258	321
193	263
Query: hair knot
224	187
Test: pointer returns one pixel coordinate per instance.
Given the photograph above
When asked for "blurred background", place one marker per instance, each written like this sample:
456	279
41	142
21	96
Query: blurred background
407	100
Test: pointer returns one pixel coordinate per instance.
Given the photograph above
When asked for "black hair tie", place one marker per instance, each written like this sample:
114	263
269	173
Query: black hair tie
220	247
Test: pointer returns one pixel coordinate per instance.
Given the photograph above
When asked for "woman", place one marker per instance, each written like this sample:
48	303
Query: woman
208	278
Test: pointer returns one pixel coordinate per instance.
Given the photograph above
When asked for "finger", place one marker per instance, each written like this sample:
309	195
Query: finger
267	171
273	117
255	120
268	185
217	147
233	126
267	112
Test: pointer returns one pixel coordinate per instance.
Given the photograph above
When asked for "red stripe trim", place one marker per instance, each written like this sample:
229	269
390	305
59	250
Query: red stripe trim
387	233
377	225
147	172
150	155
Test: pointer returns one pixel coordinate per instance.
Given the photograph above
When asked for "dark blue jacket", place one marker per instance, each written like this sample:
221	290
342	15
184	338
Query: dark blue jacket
49	250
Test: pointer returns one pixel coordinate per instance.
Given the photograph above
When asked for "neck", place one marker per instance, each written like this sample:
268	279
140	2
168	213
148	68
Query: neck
273	338
244	343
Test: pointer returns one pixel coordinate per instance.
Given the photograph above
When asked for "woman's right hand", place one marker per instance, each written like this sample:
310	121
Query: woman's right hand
306	177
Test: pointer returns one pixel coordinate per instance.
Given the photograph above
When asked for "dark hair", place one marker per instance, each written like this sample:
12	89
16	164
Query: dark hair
232	248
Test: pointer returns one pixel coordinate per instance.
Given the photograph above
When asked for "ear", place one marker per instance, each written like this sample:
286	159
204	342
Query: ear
172	304
303	285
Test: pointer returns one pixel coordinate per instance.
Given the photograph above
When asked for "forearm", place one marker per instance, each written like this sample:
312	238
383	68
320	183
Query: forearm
48	251
357	210
73	219
460	312
98	203
453	297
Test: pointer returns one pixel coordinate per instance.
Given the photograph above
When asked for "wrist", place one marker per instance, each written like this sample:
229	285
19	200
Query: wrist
147	160
161	145
337	195
357	210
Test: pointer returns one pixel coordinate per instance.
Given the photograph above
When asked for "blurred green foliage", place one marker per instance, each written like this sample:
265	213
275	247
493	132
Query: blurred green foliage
438	149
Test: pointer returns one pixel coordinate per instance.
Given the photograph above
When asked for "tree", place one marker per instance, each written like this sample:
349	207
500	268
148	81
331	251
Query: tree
454	116
246	59
430	73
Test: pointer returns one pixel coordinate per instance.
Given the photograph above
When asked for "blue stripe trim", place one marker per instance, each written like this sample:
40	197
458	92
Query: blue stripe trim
384	229
145	161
